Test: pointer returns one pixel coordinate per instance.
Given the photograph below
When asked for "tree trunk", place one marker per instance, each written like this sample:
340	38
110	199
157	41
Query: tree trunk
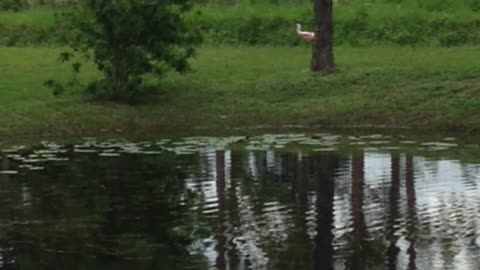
322	54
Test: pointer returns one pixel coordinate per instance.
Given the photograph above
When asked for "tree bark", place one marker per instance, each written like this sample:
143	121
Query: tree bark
322	53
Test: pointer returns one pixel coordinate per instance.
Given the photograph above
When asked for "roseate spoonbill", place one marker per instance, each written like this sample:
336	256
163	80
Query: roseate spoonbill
307	36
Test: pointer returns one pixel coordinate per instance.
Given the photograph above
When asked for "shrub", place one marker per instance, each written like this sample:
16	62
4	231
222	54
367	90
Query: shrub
130	39
10	5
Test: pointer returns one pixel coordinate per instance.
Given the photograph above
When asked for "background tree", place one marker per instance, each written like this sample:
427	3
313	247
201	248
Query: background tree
131	39
10	4
322	54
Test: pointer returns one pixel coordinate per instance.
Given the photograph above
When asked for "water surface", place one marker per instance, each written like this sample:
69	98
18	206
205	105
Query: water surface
287	201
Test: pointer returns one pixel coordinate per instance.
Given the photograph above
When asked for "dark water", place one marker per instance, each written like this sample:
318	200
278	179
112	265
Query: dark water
268	202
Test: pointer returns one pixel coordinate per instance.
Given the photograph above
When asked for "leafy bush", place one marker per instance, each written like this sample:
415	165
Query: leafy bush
357	23
23	4
474	5
438	5
10	5
130	39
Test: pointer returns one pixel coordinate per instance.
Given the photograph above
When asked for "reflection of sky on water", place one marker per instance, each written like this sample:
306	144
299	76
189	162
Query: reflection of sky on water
446	200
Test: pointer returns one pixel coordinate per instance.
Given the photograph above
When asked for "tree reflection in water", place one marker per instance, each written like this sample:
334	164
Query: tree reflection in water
128	212
235	209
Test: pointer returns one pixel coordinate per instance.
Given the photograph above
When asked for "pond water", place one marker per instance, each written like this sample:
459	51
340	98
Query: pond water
285	201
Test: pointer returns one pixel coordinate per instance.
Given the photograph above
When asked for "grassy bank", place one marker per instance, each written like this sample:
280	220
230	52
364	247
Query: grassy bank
357	23
236	87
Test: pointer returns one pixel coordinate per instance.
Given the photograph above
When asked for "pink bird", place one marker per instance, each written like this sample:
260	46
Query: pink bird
307	36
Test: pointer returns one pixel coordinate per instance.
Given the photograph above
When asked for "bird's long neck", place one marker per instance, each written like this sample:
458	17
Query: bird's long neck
299	29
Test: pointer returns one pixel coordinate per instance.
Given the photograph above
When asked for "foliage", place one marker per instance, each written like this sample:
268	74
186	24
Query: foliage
25	4
356	24
129	40
10	5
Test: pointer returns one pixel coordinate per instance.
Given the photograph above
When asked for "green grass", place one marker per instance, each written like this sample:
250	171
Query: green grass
239	87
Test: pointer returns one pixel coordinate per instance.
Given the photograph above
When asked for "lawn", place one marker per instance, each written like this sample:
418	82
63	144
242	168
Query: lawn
250	86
